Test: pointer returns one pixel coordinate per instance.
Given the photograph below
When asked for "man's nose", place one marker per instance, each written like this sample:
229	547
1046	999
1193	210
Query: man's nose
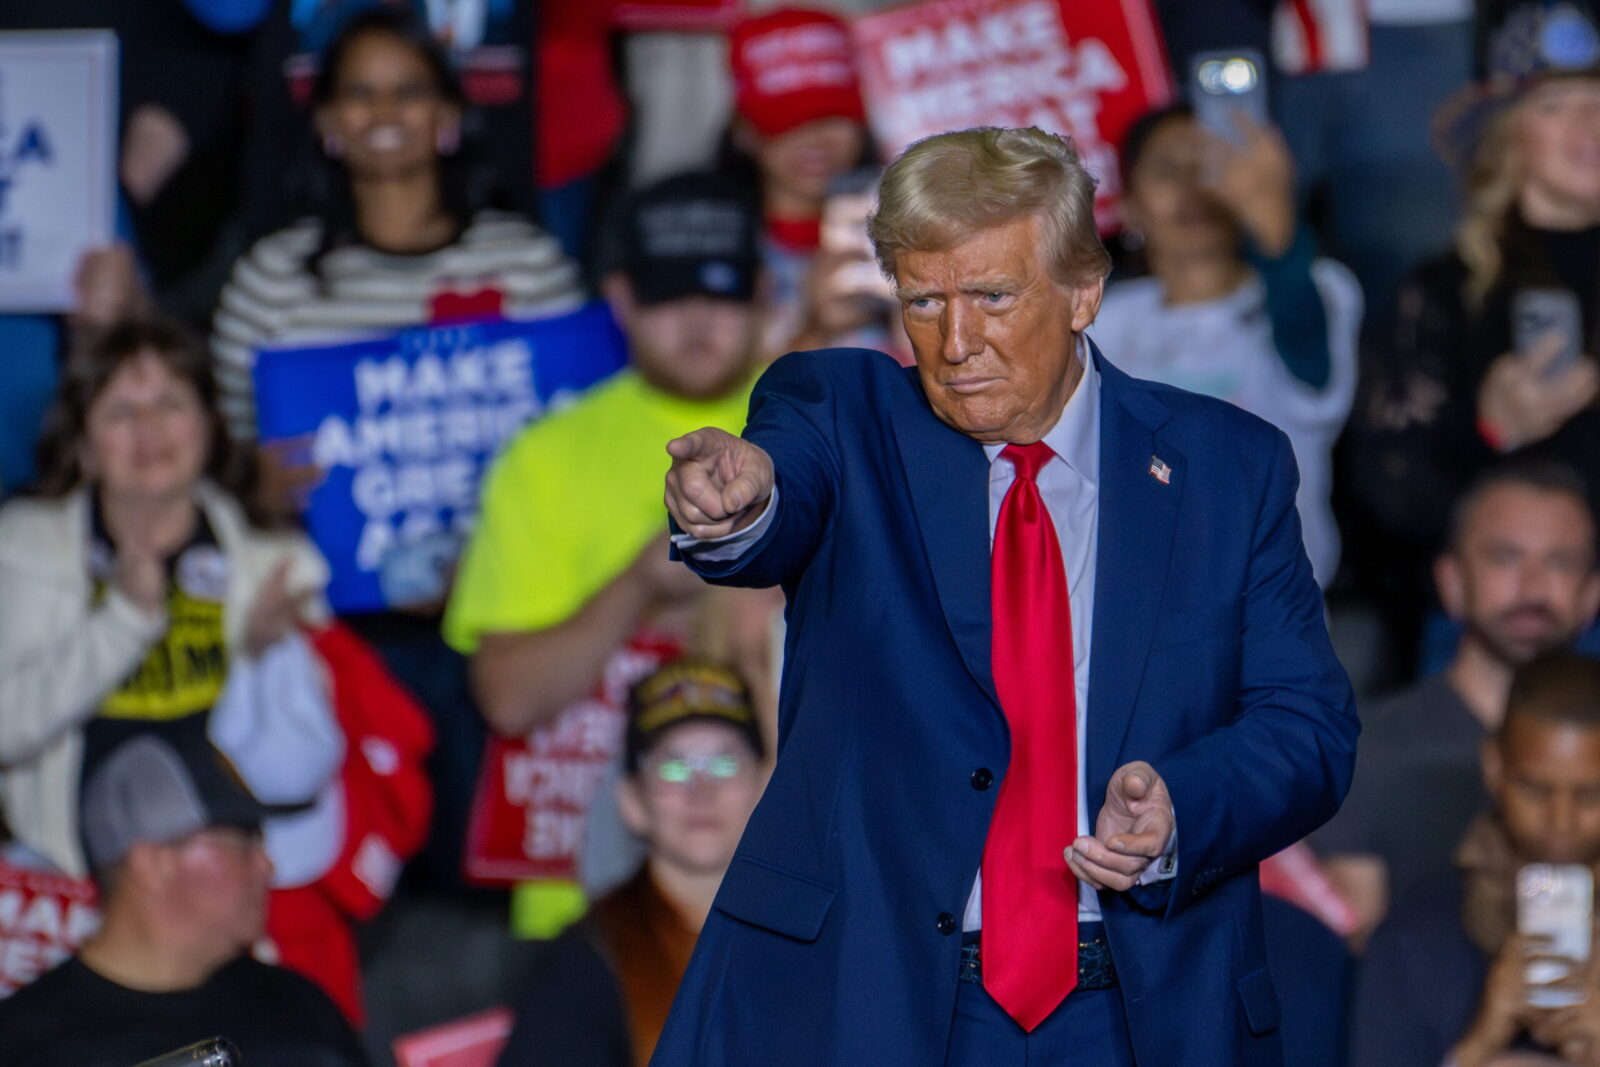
963	332
699	790
1534	579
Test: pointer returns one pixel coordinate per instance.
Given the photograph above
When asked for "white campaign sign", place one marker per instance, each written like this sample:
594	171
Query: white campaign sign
58	114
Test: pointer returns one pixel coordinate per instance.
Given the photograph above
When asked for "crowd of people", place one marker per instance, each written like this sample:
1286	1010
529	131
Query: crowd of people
256	781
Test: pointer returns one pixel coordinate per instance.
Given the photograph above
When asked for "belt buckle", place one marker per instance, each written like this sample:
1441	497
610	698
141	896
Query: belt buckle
1096	970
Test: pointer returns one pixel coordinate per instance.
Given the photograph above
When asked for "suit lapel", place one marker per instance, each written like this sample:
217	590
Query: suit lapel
949	478
1138	520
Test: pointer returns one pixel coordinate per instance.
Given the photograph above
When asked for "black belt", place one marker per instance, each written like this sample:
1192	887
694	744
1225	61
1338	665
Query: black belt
1095	969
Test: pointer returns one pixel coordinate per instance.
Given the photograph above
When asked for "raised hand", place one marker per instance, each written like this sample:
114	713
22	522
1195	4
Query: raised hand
1134	827
718	483
1255	181
274	614
1525	401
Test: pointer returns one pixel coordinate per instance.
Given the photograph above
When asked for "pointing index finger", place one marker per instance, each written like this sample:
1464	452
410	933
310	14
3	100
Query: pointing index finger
686	447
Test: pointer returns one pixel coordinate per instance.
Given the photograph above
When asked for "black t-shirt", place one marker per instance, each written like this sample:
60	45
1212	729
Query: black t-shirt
1418	785
74	1016
172	690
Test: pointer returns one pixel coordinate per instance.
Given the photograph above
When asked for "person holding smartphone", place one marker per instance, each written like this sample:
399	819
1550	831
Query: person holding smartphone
1458	383
1461	973
1237	304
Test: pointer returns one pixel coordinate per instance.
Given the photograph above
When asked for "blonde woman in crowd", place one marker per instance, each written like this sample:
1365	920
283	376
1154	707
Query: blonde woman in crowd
1457	386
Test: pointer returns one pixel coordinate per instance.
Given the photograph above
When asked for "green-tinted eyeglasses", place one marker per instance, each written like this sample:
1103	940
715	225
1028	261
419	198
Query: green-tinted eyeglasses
682	771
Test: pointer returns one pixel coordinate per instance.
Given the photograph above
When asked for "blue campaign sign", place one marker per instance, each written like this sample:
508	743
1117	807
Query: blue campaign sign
404	426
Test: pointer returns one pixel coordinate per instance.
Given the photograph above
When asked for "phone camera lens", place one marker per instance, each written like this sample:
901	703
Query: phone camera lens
1238	76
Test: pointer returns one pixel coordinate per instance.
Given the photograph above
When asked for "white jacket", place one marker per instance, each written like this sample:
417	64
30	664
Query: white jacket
61	655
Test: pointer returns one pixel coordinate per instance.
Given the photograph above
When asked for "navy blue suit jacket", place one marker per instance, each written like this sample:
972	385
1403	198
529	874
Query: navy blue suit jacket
831	941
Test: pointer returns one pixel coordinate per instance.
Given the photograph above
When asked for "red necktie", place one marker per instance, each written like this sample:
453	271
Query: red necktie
1030	895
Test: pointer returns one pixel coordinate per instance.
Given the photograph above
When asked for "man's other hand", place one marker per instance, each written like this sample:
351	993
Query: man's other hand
718	483
1503	1010
1135	826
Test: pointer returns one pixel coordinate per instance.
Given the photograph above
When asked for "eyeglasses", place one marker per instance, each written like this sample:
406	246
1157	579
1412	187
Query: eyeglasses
681	771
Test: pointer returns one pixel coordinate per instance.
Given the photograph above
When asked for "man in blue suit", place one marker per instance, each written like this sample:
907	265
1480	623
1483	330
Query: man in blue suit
1020	583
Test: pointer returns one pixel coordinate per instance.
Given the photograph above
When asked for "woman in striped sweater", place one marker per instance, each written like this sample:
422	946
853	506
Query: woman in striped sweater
400	236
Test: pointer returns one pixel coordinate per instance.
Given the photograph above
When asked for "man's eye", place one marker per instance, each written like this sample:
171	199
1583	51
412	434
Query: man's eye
994	298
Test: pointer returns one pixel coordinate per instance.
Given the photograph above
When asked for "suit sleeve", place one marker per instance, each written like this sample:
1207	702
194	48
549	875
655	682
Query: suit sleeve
1281	766
791	418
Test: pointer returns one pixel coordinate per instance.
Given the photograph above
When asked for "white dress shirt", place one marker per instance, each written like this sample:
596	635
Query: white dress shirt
1068	486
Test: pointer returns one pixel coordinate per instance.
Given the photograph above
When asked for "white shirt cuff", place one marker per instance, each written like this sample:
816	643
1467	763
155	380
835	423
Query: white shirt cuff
729	546
1165	866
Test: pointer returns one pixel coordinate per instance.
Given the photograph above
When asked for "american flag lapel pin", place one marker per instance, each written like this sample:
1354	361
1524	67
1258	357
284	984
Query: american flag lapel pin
1160	471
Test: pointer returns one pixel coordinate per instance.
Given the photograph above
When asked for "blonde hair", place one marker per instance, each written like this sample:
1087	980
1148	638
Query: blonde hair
944	188
1494	178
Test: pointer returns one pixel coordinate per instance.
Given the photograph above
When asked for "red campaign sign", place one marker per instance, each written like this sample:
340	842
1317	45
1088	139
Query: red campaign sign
533	792
1083	70
44	917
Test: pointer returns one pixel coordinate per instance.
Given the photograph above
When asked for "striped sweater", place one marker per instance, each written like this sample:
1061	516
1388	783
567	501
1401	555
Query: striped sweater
273	298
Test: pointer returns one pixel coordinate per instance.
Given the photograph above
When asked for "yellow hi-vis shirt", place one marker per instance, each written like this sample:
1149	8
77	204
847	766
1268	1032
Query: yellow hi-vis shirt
571	503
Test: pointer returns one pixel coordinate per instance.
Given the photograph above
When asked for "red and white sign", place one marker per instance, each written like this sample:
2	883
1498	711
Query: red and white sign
475	1041
1309	36
44	917
534	792
1083	70
1297	876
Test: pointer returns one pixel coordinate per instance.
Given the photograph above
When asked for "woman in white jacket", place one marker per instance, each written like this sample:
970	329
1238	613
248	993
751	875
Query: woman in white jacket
131	577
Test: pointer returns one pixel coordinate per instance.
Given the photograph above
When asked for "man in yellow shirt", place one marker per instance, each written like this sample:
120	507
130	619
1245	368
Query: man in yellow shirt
569	559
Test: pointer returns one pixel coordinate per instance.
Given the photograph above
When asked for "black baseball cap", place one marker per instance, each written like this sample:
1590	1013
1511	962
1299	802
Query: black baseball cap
687	690
691	235
160	788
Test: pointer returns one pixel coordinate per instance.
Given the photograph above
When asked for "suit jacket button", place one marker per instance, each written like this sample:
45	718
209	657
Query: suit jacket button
946	923
982	778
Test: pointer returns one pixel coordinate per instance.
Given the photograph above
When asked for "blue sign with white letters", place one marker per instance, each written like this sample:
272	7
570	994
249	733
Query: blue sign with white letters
403	427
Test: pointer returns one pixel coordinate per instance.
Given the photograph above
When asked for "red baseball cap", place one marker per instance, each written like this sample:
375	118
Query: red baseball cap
791	67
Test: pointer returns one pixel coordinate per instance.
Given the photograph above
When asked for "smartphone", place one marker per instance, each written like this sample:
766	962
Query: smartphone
1225	83
1536	313
1556	901
844	223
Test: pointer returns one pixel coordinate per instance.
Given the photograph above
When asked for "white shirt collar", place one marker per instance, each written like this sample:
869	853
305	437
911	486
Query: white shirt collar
1075	437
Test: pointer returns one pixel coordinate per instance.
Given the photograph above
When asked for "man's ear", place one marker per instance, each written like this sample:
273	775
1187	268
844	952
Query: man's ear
1086	304
1451	581
618	291
630	805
